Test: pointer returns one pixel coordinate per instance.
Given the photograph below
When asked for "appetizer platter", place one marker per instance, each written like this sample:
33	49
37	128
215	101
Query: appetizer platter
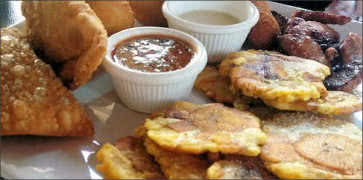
249	113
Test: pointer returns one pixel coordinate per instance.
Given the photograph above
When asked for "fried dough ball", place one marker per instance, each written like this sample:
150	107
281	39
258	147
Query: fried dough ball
271	76
148	12
68	34
178	165
264	34
191	128
239	167
127	159
115	15
310	146
335	103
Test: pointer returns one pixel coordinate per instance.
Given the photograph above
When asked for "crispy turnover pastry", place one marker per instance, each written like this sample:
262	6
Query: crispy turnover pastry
115	15
178	165
33	99
239	167
127	159
335	103
275	77
310	146
192	128
69	35
215	86
148	12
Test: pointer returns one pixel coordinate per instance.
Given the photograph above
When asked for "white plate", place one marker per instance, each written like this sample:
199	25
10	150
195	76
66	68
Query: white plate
71	158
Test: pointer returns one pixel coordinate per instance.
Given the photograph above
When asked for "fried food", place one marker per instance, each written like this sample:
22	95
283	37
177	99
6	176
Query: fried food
127	159
347	70
310	146
33	99
115	15
178	165
148	12
69	34
261	37
191	128
215	86
271	76
335	103
239	167
322	17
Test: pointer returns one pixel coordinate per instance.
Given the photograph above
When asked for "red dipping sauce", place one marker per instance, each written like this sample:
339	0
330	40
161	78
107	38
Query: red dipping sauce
153	53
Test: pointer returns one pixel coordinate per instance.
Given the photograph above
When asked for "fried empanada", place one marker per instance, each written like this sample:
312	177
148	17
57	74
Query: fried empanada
148	12
68	34
115	15
127	159
33	99
310	146
192	128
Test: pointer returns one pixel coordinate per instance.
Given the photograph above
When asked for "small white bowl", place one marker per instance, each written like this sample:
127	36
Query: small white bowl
219	40
152	91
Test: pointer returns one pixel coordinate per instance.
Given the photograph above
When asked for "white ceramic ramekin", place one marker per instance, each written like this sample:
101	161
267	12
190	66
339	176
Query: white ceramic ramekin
151	91
219	40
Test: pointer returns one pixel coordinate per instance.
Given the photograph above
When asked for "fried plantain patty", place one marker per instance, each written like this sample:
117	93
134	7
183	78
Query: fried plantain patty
191	128
310	146
275	77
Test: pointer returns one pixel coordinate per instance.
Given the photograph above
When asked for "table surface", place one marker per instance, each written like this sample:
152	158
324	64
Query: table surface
10	13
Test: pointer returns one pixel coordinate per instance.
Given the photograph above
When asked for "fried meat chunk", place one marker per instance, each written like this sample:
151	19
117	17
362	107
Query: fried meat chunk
310	146
191	128
322	17
33	99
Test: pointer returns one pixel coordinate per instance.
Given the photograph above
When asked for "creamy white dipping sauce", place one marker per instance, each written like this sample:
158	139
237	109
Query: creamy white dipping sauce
210	17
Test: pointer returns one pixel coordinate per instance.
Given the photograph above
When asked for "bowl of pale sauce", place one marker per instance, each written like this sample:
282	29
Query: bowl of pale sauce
222	26
152	67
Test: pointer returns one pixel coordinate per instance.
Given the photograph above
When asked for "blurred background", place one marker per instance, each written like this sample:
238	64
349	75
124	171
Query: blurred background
10	11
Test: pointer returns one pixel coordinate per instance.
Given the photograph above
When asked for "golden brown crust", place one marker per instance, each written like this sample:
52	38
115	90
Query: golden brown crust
264	34
192	128
115	15
335	103
79	44
178	165
34	101
239	167
310	146
127	159
273	76
215	86
148	12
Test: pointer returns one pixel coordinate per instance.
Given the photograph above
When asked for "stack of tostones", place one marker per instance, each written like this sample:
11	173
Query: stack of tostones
190	141
283	82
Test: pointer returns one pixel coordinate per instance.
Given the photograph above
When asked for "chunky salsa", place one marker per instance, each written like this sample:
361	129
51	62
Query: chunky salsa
153	53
